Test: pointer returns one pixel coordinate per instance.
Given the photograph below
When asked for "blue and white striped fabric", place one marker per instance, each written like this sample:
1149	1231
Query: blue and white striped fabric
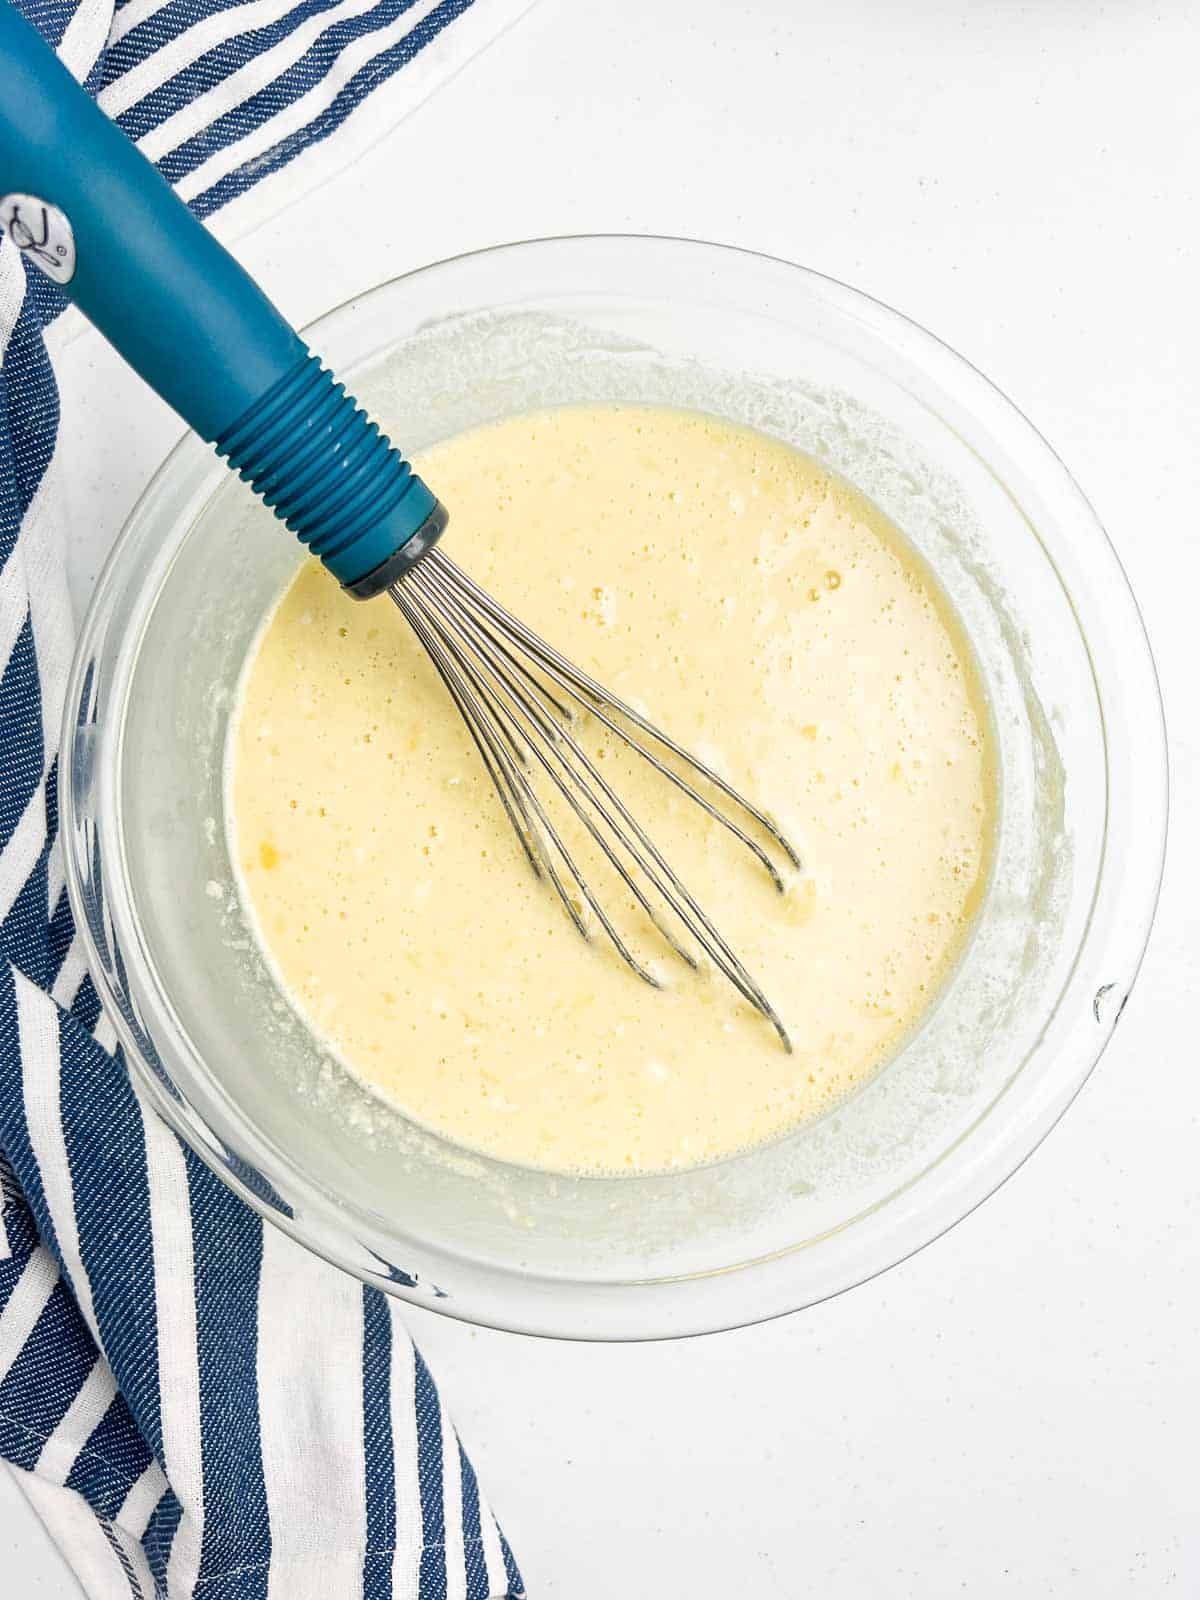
186	1422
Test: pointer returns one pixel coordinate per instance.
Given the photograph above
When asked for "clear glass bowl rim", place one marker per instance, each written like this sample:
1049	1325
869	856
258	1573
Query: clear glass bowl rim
1138	799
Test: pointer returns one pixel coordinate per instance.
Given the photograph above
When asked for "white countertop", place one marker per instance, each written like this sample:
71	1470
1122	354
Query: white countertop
1013	1413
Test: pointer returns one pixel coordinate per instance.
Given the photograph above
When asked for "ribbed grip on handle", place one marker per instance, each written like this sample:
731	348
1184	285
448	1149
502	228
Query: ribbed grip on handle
323	466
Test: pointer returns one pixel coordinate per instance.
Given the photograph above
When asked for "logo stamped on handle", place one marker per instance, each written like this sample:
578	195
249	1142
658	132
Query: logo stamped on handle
40	230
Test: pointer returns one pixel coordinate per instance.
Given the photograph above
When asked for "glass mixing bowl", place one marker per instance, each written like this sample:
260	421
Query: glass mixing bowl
216	1047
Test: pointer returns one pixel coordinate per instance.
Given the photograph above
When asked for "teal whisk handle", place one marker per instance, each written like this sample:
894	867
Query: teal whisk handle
81	201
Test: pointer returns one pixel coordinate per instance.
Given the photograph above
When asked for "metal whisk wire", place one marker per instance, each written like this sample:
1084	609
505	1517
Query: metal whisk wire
502	678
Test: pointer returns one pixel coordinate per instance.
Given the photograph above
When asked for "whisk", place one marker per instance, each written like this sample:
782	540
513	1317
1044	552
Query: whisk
82	203
503	679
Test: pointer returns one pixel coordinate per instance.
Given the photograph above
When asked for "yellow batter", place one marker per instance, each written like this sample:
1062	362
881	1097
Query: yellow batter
772	621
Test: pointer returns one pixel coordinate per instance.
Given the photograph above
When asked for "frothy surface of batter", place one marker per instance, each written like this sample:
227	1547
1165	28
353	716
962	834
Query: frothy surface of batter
771	620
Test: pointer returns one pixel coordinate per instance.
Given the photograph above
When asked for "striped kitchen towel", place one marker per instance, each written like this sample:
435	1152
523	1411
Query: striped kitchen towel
199	1407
